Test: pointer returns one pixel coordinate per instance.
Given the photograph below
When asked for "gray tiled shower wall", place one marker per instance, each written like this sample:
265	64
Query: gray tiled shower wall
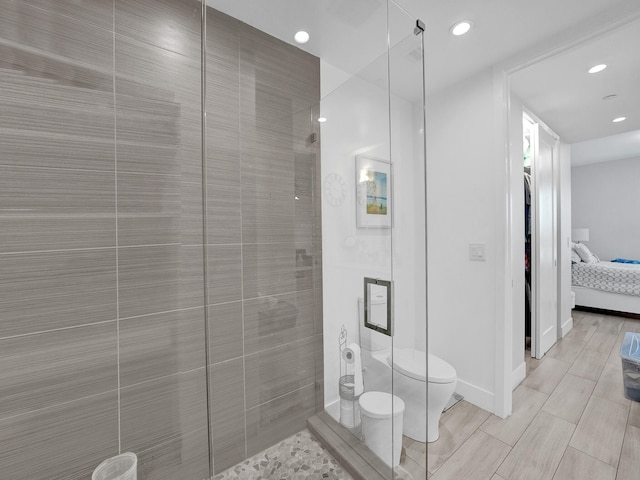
103	285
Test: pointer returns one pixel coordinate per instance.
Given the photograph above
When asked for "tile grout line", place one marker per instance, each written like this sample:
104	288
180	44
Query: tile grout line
115	155
242	245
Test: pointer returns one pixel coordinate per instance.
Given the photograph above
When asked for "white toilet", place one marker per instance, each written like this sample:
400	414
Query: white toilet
423	406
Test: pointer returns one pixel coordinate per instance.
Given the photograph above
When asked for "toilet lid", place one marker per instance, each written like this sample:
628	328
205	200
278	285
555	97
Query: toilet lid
412	363
380	404
440	371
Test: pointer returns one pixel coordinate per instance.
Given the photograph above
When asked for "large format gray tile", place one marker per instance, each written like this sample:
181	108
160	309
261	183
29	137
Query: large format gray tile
269	269
54	209
55	34
611	325
170	24
268	61
630	456
634	415
159	279
601	341
456	426
224	214
158	136
42	370
49	121
183	458
158	107
227	413
96	12
46	291
148	71
268	212
162	410
277	320
222	100
271	422
566	349
547	375
539	451
570	398
66	441
477	458
224	273
581	332
225	331
526	405
23	146
277	371
611	384
223	155
576	465
158	209
161	344
589	364
600	431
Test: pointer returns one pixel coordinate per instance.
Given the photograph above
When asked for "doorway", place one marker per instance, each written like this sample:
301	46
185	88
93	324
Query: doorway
540	147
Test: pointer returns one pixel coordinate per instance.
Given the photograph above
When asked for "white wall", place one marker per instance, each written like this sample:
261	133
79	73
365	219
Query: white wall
606	200
358	113
461	187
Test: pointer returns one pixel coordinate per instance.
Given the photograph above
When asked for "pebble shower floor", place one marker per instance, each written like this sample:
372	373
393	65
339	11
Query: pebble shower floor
299	457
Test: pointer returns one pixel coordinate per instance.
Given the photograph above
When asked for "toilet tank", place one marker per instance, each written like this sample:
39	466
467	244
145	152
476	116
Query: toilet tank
370	339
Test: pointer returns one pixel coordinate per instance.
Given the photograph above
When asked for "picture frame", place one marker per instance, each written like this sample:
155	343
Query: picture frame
374	205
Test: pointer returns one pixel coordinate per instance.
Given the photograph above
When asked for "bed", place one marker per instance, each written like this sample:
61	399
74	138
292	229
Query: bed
607	286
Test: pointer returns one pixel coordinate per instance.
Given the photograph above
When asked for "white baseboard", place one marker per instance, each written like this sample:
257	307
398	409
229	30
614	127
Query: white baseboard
518	375
566	327
476	395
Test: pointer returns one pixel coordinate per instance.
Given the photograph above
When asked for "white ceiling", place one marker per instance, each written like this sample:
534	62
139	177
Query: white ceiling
556	89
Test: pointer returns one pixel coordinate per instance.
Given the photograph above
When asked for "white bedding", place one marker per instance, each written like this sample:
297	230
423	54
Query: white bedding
623	278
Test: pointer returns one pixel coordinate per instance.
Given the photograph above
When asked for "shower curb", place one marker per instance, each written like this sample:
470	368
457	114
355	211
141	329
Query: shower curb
349	451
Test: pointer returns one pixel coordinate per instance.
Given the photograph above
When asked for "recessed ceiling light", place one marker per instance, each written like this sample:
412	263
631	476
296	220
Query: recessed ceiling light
619	119
597	68
322	119
301	37
461	28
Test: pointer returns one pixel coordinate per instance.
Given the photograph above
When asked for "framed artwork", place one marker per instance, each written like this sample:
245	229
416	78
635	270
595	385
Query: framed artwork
373	192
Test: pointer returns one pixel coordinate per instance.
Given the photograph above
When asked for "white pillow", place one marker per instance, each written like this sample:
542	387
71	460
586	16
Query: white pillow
575	258
585	254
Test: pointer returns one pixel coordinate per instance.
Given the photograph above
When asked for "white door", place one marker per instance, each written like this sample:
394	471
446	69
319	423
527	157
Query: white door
545	291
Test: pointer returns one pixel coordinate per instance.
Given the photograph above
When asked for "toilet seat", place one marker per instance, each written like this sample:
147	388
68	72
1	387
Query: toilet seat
409	362
381	404
441	371
412	363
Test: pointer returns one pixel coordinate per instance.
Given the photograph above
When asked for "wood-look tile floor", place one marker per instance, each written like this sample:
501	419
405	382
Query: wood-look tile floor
570	418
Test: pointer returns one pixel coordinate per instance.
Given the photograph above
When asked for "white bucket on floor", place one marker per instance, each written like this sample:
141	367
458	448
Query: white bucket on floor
120	467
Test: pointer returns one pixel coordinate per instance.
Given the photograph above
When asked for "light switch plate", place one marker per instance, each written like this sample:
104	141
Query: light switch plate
477	252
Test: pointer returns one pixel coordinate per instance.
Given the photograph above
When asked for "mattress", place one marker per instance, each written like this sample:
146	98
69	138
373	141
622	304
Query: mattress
611	277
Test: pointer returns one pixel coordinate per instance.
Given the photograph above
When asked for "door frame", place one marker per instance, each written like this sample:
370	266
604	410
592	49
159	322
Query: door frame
506	374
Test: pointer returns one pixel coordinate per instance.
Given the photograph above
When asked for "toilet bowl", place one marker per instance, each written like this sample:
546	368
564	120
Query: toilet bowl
381	415
406	370
410	384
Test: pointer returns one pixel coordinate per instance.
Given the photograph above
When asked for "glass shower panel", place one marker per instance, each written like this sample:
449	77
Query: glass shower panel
406	104
374	235
357	218
102	345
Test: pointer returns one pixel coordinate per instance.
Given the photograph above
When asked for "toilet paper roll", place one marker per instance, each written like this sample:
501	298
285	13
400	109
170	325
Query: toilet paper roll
351	355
